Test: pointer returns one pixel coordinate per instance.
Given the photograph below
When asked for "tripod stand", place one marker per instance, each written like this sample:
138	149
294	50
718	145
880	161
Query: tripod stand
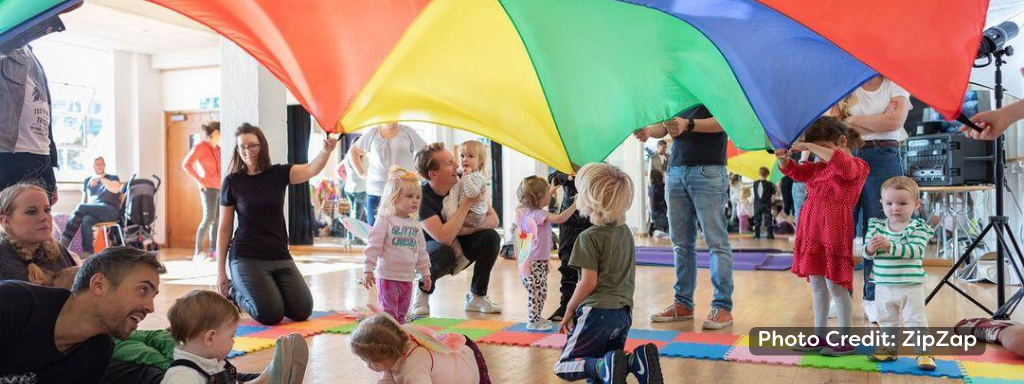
998	224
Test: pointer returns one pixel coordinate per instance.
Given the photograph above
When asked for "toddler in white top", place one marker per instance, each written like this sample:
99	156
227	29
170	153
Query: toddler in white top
204	325
473	183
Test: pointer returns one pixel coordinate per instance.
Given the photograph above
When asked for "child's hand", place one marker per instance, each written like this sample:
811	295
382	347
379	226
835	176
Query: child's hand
878	243
565	325
368	280
782	153
427	283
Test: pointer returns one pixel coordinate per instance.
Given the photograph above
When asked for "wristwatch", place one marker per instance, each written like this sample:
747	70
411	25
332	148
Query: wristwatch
690	125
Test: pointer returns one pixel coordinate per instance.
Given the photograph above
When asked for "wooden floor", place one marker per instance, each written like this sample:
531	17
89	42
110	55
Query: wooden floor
760	299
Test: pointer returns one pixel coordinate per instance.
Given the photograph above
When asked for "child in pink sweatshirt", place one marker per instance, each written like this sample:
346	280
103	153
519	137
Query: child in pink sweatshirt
396	248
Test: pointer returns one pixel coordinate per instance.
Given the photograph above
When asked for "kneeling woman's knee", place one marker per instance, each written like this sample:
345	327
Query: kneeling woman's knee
268	314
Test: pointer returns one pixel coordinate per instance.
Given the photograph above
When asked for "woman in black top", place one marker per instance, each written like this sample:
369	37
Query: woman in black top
265	281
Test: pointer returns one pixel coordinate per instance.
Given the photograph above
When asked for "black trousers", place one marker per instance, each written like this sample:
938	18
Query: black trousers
481	248
570	275
763	217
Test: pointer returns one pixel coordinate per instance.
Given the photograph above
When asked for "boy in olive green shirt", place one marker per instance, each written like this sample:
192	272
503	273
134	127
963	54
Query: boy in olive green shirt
601	304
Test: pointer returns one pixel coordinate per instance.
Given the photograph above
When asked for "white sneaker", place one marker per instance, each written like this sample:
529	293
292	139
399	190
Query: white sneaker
461	263
542	325
421	306
871	311
482	304
660	234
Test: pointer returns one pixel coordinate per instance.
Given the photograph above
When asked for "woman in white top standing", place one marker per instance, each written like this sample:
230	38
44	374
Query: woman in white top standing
384	146
877	111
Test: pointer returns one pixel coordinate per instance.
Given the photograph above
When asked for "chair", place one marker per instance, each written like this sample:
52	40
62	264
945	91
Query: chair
101	231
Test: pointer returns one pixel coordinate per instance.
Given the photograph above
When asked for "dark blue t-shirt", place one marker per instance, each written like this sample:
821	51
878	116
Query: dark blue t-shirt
698	148
100	194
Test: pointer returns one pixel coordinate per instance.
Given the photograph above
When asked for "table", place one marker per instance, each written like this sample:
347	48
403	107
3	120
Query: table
948	208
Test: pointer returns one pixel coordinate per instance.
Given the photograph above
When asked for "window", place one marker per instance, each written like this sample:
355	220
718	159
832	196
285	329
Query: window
80	91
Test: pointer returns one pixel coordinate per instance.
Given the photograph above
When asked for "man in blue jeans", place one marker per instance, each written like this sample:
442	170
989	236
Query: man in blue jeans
697	191
101	201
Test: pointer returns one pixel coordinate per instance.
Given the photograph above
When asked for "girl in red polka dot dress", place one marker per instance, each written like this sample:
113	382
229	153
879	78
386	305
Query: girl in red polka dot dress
823	252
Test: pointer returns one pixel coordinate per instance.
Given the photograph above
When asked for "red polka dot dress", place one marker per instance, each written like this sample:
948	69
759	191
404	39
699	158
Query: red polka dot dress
824	234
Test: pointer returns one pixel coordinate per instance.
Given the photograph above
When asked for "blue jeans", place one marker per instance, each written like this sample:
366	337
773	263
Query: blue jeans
596	332
885	164
84	217
799	197
699	194
372	203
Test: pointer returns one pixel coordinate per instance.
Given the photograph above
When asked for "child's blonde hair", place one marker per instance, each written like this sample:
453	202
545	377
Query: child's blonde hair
477	149
398	180
903	183
200	311
605	193
531	193
378	338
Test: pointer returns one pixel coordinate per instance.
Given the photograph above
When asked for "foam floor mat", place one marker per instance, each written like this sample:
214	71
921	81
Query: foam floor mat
995	366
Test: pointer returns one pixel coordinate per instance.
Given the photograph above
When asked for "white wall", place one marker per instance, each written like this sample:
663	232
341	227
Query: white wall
184	89
139	126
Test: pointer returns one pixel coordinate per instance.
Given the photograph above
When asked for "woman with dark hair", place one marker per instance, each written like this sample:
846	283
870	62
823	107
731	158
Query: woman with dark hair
203	164
265	280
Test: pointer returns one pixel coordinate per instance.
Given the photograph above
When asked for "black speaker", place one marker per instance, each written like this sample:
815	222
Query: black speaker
947	159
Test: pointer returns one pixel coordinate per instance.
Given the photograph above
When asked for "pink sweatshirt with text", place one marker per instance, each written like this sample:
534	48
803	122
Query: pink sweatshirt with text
396	249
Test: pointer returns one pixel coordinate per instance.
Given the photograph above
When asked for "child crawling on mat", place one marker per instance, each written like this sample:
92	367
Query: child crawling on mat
204	324
410	354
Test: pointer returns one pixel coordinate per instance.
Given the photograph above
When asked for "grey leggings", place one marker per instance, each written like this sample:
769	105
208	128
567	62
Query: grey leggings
211	214
270	290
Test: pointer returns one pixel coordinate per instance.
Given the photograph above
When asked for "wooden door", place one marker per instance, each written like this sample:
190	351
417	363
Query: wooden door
184	207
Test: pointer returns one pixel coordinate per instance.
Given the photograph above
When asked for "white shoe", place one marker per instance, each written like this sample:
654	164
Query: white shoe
542	325
871	311
421	306
482	304
660	234
461	263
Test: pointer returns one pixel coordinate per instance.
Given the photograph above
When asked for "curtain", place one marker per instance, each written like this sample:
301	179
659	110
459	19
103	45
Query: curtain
301	216
496	185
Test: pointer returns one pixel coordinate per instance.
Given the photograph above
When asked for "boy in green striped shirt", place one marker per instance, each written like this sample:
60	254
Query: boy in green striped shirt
897	245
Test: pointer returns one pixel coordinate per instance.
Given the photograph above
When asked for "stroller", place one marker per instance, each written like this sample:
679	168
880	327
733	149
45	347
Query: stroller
140	213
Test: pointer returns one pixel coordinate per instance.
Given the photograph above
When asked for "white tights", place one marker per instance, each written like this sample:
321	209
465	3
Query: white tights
821	288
